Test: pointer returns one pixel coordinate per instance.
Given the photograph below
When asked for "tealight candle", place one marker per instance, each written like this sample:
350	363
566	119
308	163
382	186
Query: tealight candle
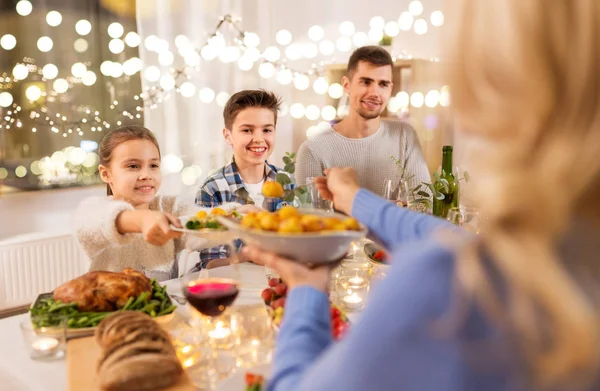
44	345
356	280
352	301
220	332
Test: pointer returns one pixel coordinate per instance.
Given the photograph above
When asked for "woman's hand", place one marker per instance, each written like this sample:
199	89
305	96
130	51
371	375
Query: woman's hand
154	225
340	186
293	273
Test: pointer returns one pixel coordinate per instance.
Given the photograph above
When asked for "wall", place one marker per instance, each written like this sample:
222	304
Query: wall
41	211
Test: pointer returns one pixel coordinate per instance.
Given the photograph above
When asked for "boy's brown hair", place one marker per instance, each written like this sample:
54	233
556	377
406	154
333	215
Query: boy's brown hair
375	55
250	98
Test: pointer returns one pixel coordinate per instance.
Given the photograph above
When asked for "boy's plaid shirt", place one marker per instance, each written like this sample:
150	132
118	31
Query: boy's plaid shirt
227	185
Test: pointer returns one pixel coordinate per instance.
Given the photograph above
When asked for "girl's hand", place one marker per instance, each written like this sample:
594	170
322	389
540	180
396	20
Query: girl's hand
155	227
340	186
293	273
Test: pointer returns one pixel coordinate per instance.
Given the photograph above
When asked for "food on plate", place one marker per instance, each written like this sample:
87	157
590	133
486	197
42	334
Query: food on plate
275	297
137	354
290	220
204	220
380	256
88	299
272	189
254	382
103	291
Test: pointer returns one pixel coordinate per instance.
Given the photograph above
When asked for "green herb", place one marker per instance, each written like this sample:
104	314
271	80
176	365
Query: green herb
386	40
285	177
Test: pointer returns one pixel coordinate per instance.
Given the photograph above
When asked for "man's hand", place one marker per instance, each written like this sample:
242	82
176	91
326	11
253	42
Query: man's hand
340	186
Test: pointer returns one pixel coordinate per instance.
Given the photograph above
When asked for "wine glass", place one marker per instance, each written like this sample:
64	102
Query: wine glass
210	293
396	191
316	200
465	217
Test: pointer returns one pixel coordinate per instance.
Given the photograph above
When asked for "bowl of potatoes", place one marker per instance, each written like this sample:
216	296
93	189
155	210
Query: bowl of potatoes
309	236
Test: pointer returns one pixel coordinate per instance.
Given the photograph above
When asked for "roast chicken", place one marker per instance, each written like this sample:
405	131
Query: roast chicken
103	291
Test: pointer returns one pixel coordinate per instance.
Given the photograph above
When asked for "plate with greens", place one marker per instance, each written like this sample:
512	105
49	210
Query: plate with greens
206	224
47	312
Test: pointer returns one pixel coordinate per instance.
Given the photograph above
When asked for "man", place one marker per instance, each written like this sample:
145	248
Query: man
362	140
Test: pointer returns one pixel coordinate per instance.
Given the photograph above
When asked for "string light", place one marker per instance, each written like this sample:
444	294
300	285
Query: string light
24	7
8	42
83	27
437	18
53	18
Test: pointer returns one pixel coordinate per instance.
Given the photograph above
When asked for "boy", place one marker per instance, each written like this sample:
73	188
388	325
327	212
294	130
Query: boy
250	118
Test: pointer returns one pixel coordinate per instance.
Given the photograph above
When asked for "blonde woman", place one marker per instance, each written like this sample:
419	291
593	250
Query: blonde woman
516	307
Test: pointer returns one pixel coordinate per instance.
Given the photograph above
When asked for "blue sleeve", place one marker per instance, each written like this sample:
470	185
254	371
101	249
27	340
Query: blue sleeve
392	346
305	333
390	223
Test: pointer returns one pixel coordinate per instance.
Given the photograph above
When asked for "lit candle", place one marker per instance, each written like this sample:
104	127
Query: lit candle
45	345
352	301
356	280
220	332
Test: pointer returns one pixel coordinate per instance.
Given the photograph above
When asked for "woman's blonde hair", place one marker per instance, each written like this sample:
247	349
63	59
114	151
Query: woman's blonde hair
525	76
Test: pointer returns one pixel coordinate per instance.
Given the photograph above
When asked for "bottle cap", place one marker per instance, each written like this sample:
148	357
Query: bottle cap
447	148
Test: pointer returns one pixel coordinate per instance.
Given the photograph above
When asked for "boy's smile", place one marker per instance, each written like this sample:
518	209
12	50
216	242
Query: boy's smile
257	150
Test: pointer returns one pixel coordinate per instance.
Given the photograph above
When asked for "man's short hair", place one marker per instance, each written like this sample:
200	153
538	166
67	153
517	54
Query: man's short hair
375	55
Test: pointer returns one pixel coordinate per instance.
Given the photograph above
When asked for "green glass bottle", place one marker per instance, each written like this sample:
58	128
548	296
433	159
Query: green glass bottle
447	185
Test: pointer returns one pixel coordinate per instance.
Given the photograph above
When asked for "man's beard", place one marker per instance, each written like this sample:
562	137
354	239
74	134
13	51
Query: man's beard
368	114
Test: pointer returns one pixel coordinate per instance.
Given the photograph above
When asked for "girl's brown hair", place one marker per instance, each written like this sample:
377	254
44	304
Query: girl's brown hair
118	136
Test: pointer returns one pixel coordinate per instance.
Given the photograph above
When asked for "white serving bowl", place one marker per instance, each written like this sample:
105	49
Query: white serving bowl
306	247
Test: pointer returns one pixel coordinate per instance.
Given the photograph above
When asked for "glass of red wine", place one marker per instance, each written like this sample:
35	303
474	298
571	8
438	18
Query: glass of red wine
212	290
209	293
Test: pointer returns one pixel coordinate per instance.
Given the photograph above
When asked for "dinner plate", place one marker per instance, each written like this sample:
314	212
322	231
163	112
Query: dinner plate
237	382
370	250
306	247
86	331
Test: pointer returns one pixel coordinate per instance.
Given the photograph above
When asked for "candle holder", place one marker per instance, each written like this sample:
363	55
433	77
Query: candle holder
355	273
220	333
352	285
196	354
45	339
255	337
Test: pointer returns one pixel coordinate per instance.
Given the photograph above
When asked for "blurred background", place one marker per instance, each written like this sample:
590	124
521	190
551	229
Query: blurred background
71	70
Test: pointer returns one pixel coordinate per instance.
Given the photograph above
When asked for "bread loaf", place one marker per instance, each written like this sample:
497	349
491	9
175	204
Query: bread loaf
137	354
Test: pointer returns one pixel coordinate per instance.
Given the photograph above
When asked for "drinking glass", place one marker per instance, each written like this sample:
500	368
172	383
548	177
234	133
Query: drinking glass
316	200
255	336
465	217
396	191
352	285
45	337
210	295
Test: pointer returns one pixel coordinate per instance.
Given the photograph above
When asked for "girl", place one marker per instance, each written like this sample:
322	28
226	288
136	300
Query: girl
106	227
